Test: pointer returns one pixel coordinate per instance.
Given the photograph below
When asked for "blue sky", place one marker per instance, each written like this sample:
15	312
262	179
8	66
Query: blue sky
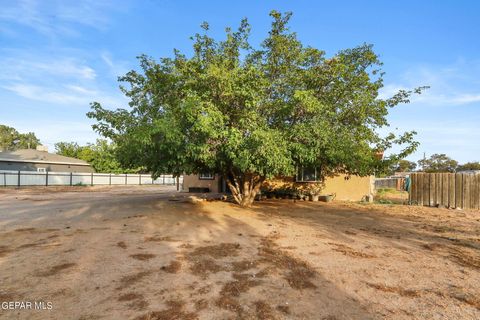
58	56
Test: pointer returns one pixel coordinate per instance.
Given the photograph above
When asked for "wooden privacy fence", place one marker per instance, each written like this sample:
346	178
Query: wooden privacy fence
451	190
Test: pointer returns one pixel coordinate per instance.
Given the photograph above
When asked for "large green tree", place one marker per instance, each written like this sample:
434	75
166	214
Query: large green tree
404	166
101	155
438	163
469	166
253	113
11	139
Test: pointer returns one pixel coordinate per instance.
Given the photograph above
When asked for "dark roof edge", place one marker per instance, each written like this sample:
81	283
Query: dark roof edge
42	161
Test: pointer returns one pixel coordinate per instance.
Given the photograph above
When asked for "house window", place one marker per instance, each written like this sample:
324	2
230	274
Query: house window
308	174
206	176
41	170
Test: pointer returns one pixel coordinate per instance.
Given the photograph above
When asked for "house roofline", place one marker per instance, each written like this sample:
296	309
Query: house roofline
45	162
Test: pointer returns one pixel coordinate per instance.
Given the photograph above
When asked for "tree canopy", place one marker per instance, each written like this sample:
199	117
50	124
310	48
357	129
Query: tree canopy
469	166
254	113
438	163
399	166
100	155
11	139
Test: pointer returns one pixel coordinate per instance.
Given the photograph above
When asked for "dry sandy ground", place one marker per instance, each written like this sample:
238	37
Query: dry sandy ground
133	253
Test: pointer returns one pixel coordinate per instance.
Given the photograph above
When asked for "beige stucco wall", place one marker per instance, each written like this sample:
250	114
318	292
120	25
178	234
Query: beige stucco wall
352	189
349	188
192	181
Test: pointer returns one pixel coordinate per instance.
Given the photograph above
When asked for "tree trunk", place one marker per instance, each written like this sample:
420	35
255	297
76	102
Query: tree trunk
244	187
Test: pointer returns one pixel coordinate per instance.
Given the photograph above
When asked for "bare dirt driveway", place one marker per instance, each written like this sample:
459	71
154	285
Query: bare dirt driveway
147	253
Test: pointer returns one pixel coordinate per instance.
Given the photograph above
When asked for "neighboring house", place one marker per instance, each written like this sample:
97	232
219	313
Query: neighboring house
350	188
41	160
469	171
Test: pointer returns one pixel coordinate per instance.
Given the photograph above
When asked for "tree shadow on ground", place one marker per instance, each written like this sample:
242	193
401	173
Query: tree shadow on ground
148	257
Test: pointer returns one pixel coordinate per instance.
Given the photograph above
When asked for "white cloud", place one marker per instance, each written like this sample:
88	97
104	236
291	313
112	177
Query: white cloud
68	95
117	68
81	90
64	79
456	84
54	18
44	94
24	66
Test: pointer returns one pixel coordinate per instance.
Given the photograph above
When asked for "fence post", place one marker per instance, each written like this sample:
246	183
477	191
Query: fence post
4	179
91	180
110	179
71	179
46	178
19	178
163	179
125	179
178	183
458	190
140	179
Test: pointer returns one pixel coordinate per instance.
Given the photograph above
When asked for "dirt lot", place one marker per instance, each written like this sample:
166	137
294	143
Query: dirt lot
141	253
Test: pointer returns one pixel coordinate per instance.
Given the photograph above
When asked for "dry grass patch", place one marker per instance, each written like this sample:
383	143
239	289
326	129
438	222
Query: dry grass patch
173	267
159	239
221	250
201	304
7	296
201	260
31	245
142	256
264	311
204	266
122	245
240	266
284	309
25	230
242	284
433	246
298	273
398	290
232	290
139	304
467	298
175	310
130	296
127	281
348	251
463	257
56	269
4	250
229	303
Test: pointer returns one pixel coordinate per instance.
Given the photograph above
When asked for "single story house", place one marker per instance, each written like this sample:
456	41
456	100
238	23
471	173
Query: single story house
42	161
348	188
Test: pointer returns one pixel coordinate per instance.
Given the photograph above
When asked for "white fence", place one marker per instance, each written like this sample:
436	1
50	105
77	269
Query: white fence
10	178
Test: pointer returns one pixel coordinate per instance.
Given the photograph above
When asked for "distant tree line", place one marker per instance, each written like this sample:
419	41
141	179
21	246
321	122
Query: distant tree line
101	155
11	139
435	163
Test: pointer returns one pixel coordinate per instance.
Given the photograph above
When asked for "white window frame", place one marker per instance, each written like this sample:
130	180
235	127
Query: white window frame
206	176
